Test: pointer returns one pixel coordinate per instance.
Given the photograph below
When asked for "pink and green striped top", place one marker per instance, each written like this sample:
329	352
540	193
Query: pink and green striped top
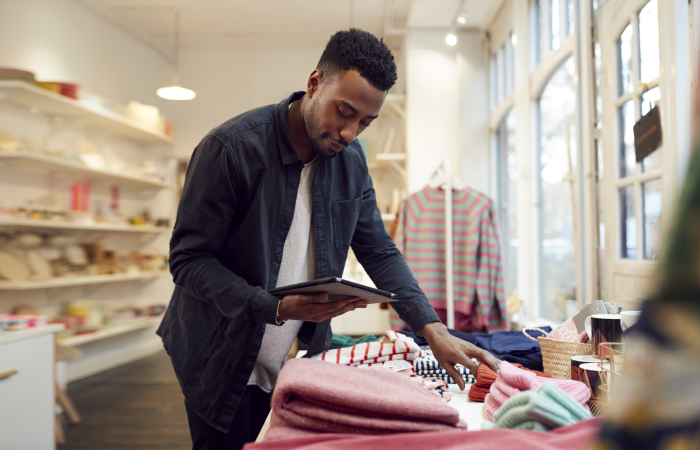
478	273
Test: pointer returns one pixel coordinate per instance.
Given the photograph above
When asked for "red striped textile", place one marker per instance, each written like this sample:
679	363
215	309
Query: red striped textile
478	268
391	347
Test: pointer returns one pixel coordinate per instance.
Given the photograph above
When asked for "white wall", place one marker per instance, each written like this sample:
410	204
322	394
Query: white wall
229	82
63	41
473	112
432	106
447	108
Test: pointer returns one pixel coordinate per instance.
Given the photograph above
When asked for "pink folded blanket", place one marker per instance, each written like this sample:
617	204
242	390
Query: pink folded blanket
512	381
581	436
315	395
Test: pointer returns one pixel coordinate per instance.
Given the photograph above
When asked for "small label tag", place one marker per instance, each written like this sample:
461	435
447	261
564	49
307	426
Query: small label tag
398	365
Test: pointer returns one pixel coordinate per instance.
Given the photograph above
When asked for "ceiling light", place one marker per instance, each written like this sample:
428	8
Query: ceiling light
451	39
514	39
176	92
461	20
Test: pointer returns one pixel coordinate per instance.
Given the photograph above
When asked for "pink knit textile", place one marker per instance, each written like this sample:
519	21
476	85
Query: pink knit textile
315	395
580	436
512	381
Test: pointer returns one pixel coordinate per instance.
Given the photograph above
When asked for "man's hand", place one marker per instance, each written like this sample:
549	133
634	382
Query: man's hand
311	309
449	350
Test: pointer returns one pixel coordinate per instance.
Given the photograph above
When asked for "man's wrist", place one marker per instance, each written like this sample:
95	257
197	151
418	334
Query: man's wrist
432	330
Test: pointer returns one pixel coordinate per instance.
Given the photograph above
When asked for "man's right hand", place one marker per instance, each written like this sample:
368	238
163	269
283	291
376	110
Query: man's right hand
311	309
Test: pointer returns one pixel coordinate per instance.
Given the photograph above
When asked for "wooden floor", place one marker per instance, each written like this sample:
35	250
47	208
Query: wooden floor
135	406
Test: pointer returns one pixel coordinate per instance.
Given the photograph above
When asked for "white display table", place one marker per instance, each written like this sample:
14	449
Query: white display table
27	399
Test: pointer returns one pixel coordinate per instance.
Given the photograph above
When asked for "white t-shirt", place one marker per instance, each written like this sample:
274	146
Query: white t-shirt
298	265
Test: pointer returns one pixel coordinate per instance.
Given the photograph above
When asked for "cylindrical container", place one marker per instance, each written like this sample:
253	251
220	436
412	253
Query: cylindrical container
577	361
603	328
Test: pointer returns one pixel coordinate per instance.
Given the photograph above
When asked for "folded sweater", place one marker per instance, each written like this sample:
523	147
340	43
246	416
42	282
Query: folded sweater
512	381
318	396
485	377
544	409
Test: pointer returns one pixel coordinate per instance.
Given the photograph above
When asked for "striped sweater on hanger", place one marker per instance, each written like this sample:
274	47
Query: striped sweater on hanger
478	273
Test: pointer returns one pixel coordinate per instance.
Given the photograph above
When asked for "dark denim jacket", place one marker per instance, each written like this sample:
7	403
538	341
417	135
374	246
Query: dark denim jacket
225	252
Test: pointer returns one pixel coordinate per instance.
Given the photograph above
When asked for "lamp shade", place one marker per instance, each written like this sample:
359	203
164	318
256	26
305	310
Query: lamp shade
176	93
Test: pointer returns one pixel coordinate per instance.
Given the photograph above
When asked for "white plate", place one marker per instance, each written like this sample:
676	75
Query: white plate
38	264
12	268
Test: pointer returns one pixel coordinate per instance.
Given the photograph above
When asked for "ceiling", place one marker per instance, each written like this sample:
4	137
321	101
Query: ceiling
256	24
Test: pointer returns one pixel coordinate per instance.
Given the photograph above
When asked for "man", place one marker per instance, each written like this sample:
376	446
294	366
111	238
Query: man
273	197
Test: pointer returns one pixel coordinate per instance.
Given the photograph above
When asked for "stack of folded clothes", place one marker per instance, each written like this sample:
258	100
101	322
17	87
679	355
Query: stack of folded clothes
485	377
391	347
427	366
314	397
512	381
542	410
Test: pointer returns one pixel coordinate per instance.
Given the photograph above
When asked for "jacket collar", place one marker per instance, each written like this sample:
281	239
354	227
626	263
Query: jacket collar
284	139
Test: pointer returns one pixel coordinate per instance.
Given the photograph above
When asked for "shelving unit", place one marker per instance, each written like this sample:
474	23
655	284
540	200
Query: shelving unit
111	331
50	225
388	155
48	165
75	281
39	100
135	143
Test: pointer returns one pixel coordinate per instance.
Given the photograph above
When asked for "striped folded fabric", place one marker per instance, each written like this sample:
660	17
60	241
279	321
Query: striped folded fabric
427	366
468	378
391	347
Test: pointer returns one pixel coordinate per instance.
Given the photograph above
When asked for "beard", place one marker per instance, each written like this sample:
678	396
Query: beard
314	137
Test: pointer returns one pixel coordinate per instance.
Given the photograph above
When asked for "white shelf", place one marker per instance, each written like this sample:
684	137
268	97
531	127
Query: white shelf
29	96
50	225
75	281
388	217
47	164
111	331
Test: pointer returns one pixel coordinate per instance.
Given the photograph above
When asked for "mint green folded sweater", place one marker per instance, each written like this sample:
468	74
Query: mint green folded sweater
544	409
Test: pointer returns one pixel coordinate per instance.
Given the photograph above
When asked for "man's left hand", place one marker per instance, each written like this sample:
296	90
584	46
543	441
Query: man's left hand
449	350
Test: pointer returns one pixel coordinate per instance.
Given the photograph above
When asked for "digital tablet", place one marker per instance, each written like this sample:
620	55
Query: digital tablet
337	289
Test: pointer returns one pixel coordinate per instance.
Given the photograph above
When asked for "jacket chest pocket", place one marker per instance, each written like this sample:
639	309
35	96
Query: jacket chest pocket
345	214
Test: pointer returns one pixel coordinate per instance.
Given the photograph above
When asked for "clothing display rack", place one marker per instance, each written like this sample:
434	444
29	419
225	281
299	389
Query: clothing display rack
443	178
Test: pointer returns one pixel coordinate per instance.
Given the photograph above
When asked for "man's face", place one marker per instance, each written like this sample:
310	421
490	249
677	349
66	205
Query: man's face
340	110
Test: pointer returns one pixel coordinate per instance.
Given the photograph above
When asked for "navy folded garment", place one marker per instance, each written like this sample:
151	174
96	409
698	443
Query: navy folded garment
511	346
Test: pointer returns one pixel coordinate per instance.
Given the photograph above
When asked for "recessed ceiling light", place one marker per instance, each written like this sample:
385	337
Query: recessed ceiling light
451	39
461	20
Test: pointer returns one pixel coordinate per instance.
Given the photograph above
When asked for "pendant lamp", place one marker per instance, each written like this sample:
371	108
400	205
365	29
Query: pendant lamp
176	92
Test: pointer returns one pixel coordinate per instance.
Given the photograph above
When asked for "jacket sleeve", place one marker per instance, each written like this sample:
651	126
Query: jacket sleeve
386	265
205	213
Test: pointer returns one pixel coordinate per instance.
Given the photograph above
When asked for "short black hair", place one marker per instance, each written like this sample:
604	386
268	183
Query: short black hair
362	51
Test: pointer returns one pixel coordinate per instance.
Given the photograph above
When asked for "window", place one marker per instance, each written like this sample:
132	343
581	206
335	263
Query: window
507	198
639	183
555	21
557	159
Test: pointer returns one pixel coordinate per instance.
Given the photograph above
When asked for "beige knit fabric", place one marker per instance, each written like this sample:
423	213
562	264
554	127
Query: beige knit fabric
298	265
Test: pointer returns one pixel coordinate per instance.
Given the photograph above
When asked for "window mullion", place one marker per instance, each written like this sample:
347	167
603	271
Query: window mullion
639	222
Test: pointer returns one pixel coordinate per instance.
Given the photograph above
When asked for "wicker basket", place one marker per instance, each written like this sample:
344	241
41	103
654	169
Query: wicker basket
556	354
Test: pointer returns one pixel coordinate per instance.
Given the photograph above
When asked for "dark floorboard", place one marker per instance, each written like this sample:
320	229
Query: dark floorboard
135	406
